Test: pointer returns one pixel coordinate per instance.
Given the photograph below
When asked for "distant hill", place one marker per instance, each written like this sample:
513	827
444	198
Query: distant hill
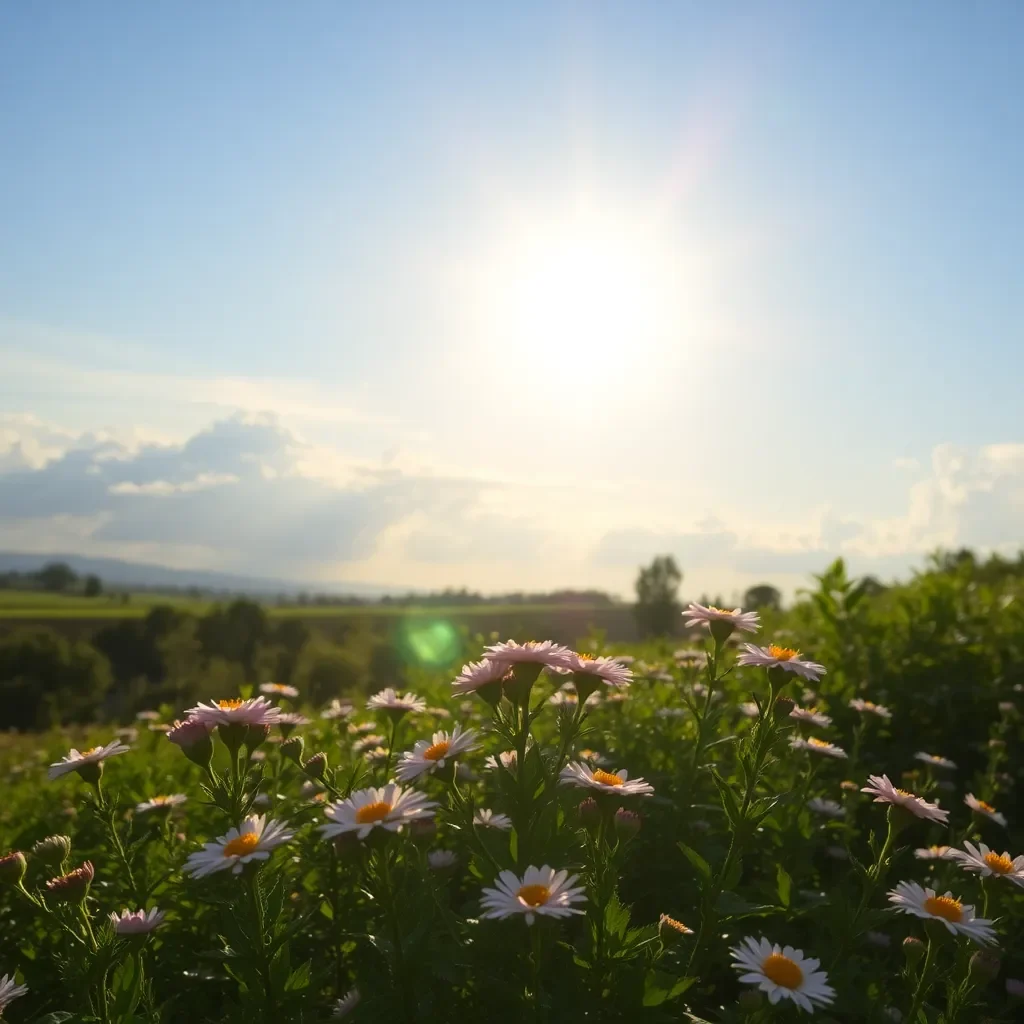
139	575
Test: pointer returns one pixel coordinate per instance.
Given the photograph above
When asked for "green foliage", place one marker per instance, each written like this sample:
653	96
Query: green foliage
727	845
657	609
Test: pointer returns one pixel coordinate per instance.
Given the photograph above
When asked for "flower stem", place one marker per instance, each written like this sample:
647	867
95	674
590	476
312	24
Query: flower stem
924	982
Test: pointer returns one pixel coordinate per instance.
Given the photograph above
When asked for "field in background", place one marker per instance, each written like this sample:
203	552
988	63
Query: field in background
80	615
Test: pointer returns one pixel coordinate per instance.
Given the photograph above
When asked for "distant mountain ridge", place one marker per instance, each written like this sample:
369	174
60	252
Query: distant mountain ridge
117	572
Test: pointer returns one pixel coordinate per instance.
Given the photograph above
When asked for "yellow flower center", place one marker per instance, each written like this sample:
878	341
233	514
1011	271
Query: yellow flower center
607	778
815	742
678	926
782	971
534	895
945	907
230	705
1000	864
782	653
719	611
588	657
241	845
982	806
91	751
373	812
903	792
437	751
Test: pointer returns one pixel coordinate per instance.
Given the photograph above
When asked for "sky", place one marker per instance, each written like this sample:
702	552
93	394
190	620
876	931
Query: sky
512	296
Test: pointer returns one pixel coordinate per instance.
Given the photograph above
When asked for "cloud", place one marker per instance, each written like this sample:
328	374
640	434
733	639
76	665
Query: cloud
249	495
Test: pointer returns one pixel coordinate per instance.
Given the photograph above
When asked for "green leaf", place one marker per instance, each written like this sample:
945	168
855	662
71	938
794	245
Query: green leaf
783	884
57	1017
700	865
660	987
731	905
732	879
729	805
298	979
616	917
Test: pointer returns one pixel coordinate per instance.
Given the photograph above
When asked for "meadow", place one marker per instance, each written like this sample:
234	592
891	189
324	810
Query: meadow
802	813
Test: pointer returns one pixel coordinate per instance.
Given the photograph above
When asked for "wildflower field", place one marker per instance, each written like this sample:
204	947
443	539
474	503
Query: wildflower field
803	813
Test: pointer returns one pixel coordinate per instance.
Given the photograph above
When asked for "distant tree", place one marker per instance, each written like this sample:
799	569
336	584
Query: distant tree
47	679
56	577
763	595
657	609
93	586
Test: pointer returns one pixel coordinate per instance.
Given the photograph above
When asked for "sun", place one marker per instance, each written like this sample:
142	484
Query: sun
582	294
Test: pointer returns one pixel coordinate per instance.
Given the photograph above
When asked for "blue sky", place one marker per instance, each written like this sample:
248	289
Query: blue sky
512	296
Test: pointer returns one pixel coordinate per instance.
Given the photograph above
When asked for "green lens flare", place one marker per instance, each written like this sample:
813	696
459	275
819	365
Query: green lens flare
431	641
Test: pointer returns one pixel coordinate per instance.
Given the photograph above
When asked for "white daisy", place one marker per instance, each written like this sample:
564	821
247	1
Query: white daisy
885	792
346	1004
337	709
624	659
786	658
131	734
253	841
911	898
147	716
441	860
989	863
593	757
357	727
782	972
367	743
475	674
487	818
375	755
829	808
160	803
542	891
236	711
867	707
541	652
76	760
9	991
278	690
670	926
812	716
137	922
389	807
671	712
935	853
585	777
607	670
689	656
389	700
507	759
704	615
982	808
289	720
934	760
429	755
749	709
816	746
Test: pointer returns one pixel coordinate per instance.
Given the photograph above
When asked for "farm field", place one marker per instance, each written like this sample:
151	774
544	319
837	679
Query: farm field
825	822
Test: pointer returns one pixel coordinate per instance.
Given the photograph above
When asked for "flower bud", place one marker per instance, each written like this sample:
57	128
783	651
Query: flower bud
670	931
590	813
913	950
193	736
291	748
72	887
12	868
1015	988
256	735
52	851
848	787
783	706
627	824
316	766
983	967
